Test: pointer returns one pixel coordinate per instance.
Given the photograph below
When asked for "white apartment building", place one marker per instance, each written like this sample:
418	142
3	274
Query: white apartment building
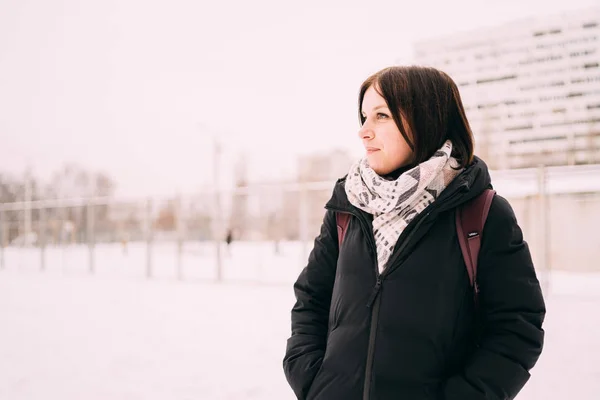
531	88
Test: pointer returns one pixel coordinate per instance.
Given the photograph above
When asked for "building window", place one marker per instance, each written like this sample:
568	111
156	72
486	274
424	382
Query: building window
519	128
581	80
578	121
582	53
539	60
550	32
537	139
501	78
487	106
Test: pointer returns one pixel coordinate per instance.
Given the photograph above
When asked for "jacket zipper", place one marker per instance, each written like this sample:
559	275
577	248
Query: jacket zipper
374	299
372	334
374	302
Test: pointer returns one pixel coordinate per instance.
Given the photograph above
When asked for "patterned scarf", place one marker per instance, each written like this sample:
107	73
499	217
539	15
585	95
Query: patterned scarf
395	203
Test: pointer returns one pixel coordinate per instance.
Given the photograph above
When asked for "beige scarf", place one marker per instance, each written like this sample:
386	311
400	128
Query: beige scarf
395	203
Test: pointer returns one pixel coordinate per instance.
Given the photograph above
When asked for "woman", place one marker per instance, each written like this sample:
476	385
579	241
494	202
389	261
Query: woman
391	313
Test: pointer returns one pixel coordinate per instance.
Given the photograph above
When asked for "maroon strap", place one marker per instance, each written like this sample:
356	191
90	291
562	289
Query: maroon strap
470	219
342	220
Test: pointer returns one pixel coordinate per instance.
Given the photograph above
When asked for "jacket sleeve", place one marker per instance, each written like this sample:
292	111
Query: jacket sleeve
310	314
513	311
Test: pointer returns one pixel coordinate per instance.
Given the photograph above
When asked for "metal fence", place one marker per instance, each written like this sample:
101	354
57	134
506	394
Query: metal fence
184	237
271	228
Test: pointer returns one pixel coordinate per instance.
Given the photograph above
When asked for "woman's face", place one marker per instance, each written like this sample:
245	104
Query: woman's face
385	146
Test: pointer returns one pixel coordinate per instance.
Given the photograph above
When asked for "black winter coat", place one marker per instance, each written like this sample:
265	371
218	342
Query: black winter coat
414	332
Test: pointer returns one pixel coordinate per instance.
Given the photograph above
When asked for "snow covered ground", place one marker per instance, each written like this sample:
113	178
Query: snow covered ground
69	335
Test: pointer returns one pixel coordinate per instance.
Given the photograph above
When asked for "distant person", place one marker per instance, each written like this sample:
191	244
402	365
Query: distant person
229	240
395	311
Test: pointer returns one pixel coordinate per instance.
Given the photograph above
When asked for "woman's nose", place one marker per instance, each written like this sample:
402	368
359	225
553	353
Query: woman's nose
365	132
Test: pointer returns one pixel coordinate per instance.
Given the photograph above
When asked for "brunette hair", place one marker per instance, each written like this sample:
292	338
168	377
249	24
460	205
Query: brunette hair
427	102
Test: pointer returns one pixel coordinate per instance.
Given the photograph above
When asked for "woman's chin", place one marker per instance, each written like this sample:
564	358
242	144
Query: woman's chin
374	163
379	170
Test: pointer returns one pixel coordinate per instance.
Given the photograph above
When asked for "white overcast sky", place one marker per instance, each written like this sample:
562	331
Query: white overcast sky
136	88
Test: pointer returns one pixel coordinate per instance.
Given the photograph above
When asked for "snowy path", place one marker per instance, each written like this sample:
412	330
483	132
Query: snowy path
68	335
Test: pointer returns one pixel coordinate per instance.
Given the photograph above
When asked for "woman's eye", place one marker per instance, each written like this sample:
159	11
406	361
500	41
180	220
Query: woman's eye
382	116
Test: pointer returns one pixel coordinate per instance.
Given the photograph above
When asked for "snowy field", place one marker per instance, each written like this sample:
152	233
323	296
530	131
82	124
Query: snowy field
69	335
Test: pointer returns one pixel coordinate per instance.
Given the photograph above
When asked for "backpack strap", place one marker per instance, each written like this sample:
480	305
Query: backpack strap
470	219
342	220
